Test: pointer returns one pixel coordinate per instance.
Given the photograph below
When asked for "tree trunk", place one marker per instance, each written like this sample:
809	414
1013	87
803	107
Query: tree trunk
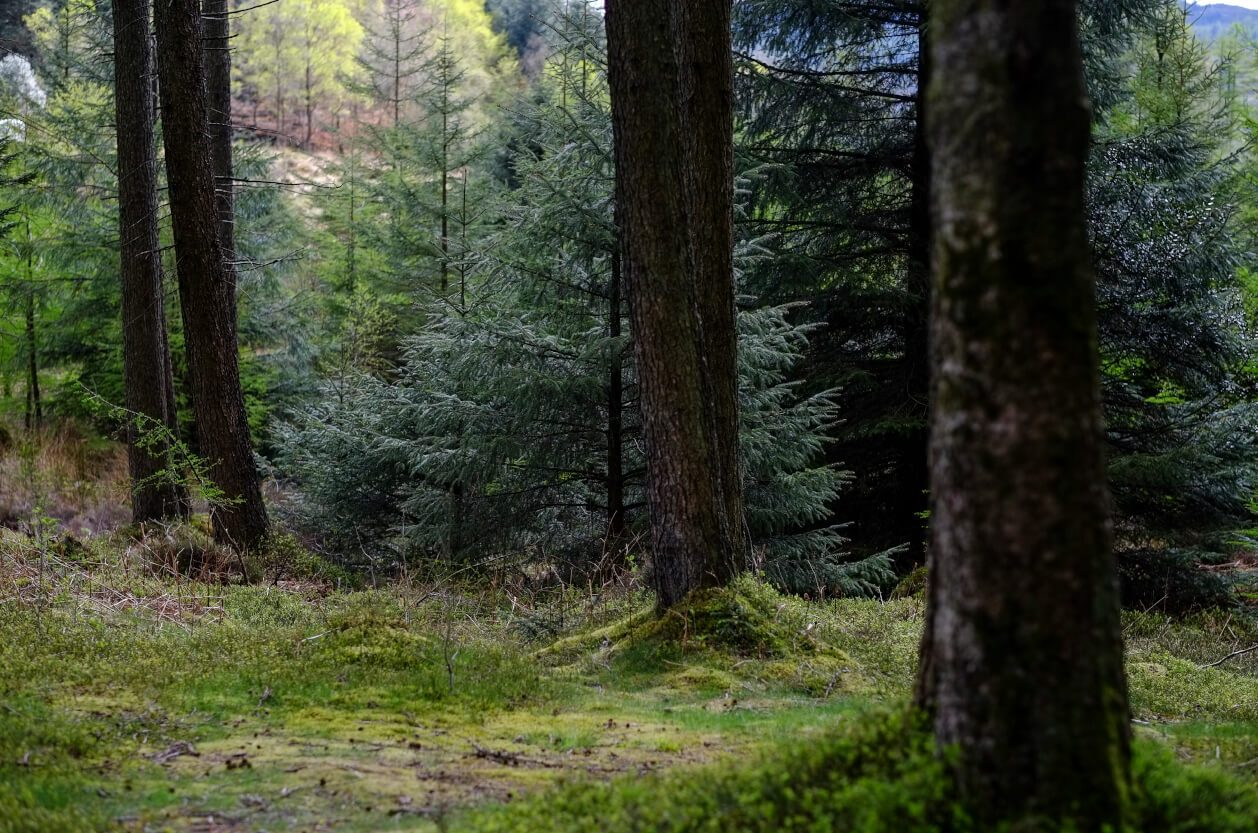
615	413
34	408
207	287
705	59
1023	668
916	468
155	492
309	103
696	541
218	79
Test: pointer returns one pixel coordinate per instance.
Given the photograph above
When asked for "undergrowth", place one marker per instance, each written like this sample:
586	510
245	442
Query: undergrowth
883	776
426	698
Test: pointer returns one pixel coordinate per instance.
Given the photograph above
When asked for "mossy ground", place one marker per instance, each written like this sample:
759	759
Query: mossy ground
133	699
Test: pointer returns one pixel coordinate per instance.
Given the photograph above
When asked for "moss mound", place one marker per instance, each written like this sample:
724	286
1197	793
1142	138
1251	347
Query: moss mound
883	776
748	619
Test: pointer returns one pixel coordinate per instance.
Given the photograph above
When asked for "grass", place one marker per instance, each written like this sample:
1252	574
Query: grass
136	699
141	689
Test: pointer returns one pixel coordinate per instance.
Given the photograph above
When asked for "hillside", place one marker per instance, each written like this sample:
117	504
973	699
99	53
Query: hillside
1212	21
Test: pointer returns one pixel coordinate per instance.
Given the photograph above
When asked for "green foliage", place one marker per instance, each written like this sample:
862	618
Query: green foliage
882	776
830	129
1173	580
1175	798
1163	198
510	426
826	136
298	56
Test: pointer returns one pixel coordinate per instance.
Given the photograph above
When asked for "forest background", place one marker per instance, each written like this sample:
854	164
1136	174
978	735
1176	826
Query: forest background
434	341
430	302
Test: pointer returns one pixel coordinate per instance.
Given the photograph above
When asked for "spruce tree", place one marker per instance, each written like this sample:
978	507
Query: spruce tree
829	97
1164	205
529	396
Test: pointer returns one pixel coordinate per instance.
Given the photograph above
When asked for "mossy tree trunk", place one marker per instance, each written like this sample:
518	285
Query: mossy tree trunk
1022	664
155	492
207	285
671	89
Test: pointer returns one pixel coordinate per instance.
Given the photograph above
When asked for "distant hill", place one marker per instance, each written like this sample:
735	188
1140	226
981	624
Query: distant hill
1209	22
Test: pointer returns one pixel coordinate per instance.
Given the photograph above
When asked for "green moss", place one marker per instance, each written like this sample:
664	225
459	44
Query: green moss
748	619
1166	687
883	776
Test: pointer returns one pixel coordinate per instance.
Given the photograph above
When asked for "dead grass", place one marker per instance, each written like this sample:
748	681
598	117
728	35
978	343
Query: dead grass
58	480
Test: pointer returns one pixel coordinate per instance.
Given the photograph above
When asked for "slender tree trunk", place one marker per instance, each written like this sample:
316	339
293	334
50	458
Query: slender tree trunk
218	78
309	103
34	407
1023	666
396	21
696	543
445	190
146	355
352	248
615	413
207	287
916	468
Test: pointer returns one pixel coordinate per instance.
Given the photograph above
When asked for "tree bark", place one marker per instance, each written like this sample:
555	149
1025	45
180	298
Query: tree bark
207	287
218	81
34	407
681	337
705	54
916	468
155	491
1022	669
615	413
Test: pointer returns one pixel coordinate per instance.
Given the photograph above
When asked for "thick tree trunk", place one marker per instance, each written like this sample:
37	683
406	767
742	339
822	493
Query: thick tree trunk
207	290
696	542
1023	667
218	80
155	493
706	91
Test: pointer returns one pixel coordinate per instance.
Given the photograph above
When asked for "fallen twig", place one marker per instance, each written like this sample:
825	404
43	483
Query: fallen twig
1241	652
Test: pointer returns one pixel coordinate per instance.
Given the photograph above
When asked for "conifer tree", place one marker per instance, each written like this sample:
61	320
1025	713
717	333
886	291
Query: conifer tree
207	287
830	97
1180	417
395	52
429	185
1022	661
670	79
155	493
529	396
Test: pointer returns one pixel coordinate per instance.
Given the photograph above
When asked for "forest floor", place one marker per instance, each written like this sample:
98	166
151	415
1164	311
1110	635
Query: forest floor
134	697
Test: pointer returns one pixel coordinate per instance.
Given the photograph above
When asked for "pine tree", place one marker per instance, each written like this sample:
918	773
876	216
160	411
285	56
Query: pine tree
207	287
530	399
1174	344
155	493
